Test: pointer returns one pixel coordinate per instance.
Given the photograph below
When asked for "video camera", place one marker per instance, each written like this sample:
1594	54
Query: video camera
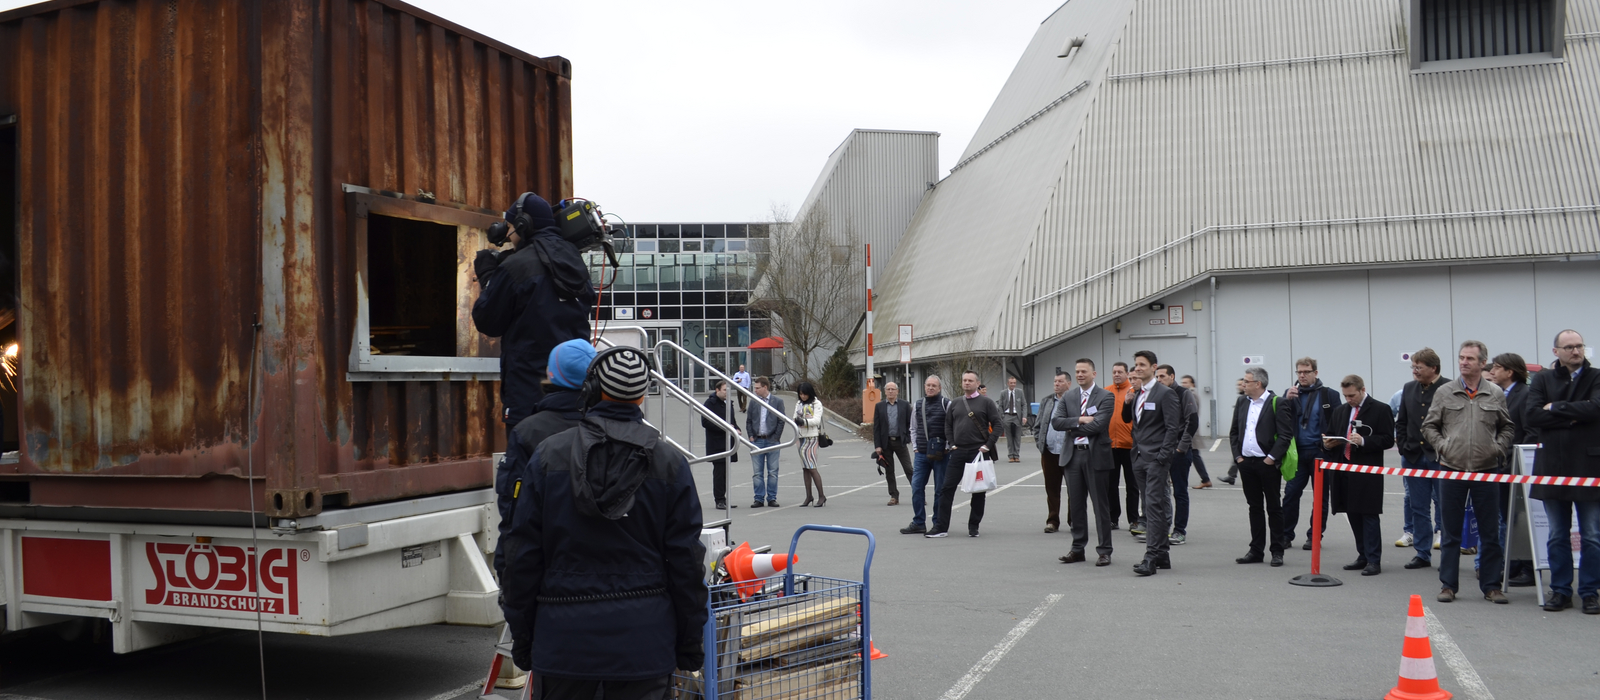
581	222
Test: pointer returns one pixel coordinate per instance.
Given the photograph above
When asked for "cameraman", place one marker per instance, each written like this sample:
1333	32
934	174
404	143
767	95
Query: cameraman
534	297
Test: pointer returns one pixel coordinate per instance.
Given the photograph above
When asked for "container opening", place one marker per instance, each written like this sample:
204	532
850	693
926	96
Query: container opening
15	492
10	377
411	292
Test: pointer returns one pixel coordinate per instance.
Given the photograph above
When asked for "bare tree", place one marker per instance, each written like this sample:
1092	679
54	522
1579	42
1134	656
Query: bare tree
809	282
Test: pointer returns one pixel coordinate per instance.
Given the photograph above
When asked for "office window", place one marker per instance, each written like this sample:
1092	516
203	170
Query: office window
716	334
1490	33
644	278
667	277
643	246
691	246
736	246
667	246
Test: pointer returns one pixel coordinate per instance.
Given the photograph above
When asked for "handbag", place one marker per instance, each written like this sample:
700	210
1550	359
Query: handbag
1291	457
979	476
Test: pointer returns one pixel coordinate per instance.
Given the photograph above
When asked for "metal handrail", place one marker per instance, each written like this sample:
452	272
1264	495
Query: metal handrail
669	387
735	385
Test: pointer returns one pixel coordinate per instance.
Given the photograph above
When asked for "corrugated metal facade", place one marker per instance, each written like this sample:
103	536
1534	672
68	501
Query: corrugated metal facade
1218	161
873	183
182	167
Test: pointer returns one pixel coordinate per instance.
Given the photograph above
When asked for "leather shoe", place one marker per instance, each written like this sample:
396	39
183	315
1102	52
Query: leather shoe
1418	563
1521	580
1496	596
1372	570
1446	596
1228	480
1104	560
1072	558
1164	562
913	530
1357	564
1306	546
1049	528
894	501
1145	568
1557	602
1591	605
1277	559
1251	558
758	504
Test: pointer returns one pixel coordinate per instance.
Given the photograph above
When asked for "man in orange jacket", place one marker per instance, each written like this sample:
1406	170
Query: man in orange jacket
1122	454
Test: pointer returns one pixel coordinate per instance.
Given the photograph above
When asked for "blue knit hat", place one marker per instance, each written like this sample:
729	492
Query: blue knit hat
569	362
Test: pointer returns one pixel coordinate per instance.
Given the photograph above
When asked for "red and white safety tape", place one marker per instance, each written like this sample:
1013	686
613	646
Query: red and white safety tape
1465	476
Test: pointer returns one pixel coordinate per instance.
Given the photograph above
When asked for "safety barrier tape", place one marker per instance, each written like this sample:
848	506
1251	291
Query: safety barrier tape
1465	476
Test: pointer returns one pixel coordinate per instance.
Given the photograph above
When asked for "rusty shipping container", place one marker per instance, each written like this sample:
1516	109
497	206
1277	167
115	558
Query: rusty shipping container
242	235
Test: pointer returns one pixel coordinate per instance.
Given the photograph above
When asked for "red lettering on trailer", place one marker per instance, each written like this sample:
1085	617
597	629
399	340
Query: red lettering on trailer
185	575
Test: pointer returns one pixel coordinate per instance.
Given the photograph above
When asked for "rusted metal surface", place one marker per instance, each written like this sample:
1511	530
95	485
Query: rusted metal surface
181	168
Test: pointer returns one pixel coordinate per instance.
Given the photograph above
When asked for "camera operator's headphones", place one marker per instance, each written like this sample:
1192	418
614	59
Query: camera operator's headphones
589	394
522	223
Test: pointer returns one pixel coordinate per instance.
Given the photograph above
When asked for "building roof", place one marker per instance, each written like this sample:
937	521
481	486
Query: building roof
1186	139
872	184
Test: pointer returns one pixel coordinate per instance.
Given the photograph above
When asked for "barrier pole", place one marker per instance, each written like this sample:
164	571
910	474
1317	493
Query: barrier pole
1316	579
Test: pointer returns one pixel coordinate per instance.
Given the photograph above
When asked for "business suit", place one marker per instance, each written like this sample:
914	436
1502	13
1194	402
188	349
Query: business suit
1156	415
1049	464
1088	467
1014	407
765	433
1360	496
1274	431
893	445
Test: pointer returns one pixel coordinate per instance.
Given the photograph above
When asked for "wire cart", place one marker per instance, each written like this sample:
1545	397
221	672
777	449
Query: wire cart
803	637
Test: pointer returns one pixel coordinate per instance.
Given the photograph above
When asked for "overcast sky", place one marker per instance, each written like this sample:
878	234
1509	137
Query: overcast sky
719	111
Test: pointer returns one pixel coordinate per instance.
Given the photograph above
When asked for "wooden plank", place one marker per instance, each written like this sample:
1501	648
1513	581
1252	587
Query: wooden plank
800	638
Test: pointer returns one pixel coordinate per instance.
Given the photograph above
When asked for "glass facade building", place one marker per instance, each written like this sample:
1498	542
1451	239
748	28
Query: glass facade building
688	283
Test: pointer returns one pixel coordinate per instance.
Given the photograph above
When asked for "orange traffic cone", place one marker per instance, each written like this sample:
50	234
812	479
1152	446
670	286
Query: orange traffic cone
1418	680
875	653
747	568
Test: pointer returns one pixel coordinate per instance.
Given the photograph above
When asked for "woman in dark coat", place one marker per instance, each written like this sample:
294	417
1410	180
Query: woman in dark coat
1367	425
717	441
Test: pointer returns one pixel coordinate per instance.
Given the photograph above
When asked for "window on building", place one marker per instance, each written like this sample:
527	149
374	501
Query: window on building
668	246
691	246
644	279
716	334
1466	34
668	278
736	246
643	246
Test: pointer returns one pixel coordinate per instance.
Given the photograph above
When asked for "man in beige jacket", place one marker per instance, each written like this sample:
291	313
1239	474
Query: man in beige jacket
1470	430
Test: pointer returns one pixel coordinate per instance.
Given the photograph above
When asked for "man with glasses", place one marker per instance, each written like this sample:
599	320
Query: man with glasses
1313	402
1564	404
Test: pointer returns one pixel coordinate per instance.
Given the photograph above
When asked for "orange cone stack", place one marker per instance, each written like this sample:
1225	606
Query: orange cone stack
747	568
1418	680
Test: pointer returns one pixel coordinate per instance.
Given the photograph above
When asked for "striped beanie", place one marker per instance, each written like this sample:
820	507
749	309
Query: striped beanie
623	373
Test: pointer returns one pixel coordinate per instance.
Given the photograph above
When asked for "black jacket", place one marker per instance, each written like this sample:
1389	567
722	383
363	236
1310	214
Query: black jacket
1353	492
1569	431
605	570
1273	436
537	298
880	423
1414	402
1318	400
556	412
973	422
1517	406
716	437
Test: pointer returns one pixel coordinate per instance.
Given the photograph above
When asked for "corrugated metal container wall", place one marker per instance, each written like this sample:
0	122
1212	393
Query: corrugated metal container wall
181	169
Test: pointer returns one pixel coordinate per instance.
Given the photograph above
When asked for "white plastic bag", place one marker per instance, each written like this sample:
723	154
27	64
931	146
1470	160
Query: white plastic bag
979	476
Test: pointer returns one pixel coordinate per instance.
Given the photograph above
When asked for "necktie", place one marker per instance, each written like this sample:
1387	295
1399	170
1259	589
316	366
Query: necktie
1138	405
1082	408
1353	413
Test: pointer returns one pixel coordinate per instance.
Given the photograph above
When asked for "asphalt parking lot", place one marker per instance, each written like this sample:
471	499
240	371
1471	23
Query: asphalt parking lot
987	618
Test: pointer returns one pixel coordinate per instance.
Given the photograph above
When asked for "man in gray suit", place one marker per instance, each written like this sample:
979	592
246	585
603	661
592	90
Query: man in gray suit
765	428
1156	415
1013	403
1084	415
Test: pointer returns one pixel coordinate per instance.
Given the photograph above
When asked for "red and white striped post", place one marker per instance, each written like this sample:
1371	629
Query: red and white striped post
1316	578
869	395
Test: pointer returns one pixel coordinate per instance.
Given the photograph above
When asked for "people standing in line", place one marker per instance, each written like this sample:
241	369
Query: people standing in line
1263	429
1415	453
1156	414
717	441
1313	402
1083	417
1364	428
742	378
1471	430
765	428
1051	442
973	424
1564	405
1194	447
607	496
1122	453
1179	466
1510	373
1406	538
808	423
933	455
891	431
1014	408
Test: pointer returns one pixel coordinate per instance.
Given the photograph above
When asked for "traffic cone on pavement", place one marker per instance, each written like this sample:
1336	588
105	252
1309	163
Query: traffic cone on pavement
875	653
1418	680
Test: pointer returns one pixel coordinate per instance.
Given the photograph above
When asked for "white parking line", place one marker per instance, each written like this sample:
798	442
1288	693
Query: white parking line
846	493
1446	648
989	660
1215	445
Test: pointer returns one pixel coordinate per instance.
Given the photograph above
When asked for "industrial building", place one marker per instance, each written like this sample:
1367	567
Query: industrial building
1234	183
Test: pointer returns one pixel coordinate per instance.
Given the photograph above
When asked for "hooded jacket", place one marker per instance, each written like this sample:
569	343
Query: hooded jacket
604	569
558	411
538	297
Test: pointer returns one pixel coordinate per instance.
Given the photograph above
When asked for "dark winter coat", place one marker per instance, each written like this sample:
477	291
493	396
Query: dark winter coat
716	437
538	297
558	411
1569	431
605	570
1361	494
1415	400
